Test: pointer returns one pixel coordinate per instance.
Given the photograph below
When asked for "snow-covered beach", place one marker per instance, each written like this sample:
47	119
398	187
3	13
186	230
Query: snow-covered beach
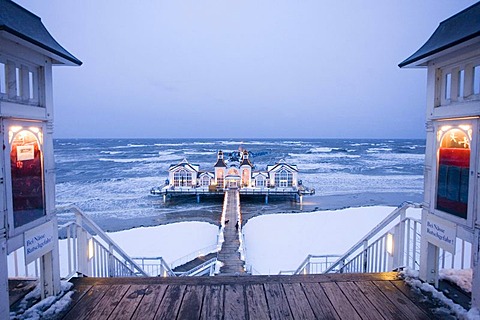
274	242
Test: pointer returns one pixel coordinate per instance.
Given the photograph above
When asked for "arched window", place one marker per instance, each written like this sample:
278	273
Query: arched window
205	181
260	181
283	178
453	172
245	177
26	165
182	178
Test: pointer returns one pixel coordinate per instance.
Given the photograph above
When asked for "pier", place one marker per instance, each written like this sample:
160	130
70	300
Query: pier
231	223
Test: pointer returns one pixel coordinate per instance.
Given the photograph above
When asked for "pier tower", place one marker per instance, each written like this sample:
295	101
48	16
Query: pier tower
27	183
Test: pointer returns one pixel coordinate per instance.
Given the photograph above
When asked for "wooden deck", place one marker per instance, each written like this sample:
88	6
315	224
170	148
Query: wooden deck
335	296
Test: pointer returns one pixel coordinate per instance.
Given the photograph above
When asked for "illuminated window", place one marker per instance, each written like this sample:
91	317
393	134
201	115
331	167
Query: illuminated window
182	178
26	162
453	172
220	179
245	177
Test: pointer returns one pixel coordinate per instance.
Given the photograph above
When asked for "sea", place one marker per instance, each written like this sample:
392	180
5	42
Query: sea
110	179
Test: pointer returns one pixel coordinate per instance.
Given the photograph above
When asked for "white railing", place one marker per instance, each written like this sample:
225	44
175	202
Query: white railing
154	266
91	252
314	264
195	254
208	267
388	247
366	255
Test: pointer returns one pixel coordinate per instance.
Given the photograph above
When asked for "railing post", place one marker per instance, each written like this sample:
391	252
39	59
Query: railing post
84	267
399	244
111	263
365	256
476	269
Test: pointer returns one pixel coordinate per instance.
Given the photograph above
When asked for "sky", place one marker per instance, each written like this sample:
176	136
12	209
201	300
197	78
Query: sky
241	69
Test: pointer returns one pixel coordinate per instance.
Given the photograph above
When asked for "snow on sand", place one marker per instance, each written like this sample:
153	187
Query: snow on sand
281	242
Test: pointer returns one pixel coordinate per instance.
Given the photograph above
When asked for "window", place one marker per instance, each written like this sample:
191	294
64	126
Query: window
18	79
205	181
476	80
3	78
283	179
182	178
245	177
461	83
448	86
30	85
453	172
220	179
26	165
260	181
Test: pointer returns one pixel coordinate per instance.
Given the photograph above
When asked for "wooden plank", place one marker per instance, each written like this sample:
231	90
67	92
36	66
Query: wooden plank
256	302
416	297
339	301
406	307
234	302
150	302
87	302
387	308
277	301
212	303
321	306
192	303
297	301
127	306
224	280
109	302
168	308
362	305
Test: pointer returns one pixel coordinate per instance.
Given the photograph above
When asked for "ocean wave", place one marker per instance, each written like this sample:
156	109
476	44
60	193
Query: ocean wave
375	150
111	152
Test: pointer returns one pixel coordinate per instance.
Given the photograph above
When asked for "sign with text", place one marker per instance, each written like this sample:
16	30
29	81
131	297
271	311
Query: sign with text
441	233
25	153
38	241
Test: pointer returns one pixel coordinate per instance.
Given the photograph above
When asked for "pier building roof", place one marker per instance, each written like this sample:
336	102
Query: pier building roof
454	31
21	23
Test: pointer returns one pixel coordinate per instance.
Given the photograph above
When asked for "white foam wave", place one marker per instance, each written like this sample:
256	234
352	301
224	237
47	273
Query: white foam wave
111	152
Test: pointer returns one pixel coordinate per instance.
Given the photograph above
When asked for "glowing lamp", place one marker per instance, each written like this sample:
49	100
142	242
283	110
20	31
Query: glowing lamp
90	249
390	243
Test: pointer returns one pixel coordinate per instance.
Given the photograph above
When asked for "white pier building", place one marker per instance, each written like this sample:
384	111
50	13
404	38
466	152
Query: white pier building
279	179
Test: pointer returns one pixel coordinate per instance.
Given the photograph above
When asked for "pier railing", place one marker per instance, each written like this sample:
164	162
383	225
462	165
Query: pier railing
389	246
91	252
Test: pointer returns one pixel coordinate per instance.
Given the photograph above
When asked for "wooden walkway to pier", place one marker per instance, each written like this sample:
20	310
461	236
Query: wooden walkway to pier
229	255
332	296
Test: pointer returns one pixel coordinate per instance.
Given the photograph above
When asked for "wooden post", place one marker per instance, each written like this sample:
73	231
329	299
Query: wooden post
50	268
82	248
429	255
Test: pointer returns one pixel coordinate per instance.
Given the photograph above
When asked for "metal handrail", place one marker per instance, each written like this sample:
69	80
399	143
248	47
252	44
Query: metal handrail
385	222
193	255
